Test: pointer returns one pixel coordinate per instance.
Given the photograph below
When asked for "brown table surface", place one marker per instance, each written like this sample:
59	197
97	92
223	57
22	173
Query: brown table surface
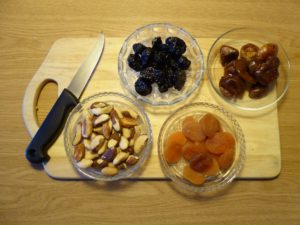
28	196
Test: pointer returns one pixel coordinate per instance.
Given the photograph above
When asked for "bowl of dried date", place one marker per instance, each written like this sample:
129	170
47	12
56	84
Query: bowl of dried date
108	137
248	68
160	64
201	148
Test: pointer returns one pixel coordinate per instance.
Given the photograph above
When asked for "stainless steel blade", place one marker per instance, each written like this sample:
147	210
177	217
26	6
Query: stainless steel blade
86	70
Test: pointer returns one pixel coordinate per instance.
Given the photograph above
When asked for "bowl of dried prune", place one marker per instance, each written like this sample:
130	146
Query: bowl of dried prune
201	148
249	69
160	64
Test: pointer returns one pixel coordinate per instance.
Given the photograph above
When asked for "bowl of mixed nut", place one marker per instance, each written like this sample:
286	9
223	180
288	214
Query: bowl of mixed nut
160	64
248	68
108	137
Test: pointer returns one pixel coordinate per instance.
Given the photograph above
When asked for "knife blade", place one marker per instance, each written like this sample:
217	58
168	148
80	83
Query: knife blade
36	151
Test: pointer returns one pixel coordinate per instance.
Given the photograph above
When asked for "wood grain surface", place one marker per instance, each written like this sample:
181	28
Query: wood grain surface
28	196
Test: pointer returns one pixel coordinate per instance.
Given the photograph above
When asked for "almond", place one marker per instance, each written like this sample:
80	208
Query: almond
123	143
87	127
90	155
101	119
79	152
128	122
112	143
106	130
103	148
109	171
131	160
85	163
140	143
120	157
130	113
77	134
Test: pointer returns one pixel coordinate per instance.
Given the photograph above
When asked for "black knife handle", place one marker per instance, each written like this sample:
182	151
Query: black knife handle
50	129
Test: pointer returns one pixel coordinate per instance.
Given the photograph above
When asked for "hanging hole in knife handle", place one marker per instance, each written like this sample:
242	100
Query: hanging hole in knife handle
45	100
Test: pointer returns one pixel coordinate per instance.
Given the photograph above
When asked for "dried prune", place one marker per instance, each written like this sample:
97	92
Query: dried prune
267	50
164	87
249	52
183	63
180	80
143	87
156	42
231	86
138	48
151	74
258	91
228	54
146	56
134	61
160	58
176	46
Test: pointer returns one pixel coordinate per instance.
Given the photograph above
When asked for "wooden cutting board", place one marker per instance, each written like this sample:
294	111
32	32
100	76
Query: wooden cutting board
263	158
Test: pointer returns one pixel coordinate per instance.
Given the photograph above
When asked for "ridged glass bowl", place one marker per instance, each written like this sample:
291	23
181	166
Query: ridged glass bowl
117	100
175	171
145	35
237	38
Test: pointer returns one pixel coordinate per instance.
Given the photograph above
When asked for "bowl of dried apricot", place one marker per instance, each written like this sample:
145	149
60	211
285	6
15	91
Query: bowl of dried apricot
108	137
249	69
201	147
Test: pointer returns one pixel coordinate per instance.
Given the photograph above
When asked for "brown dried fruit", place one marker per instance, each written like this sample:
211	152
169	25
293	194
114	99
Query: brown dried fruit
228	54
231	86
267	50
249	51
241	66
258	91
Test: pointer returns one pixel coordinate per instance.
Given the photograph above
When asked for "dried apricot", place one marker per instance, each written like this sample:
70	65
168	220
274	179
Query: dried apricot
226	159
188	119
193	176
213	169
220	142
210	125
176	138
172	153
173	147
193	131
192	148
201	162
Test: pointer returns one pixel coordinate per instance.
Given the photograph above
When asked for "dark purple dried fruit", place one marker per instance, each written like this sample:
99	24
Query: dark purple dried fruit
138	48
143	87
249	52
266	51
183	63
146	56
180	80
163	87
231	86
134	62
163	48
151	74
176	46
156	42
160	58
258	91
228	54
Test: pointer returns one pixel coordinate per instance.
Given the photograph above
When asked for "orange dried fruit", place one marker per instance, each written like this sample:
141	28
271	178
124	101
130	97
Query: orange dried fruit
193	176
173	147
210	125
226	159
213	169
176	138
220	142
172	153
192	148
201	162
188	119
193	131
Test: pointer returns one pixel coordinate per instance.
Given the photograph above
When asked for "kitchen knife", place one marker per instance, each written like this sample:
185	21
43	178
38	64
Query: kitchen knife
50	129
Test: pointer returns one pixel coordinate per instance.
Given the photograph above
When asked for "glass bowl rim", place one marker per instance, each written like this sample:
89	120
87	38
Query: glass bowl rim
230	177
142	98
129	171
232	103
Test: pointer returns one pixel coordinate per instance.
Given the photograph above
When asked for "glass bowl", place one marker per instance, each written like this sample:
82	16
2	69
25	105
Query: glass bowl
145	35
120	101
237	38
175	171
